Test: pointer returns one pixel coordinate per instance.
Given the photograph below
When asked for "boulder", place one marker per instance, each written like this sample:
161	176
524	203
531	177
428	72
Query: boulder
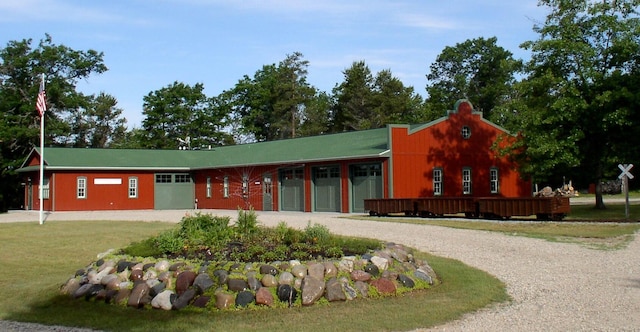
316	270
139	295
202	282
384	286
264	297
285	278
224	300
184	281
164	300
184	299
244	298
287	294
333	290
312	289
299	271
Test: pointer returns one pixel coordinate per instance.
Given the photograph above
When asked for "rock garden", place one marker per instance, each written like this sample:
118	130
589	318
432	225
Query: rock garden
206	262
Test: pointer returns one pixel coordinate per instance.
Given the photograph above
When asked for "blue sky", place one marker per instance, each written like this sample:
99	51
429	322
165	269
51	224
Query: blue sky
149	44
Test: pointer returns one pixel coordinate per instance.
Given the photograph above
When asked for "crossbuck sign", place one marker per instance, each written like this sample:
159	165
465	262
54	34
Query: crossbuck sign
625	176
625	171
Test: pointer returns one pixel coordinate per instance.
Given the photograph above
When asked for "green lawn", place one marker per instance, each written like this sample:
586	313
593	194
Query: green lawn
37	259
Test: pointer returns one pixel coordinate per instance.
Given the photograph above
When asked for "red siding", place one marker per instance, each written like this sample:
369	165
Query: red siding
416	154
102	196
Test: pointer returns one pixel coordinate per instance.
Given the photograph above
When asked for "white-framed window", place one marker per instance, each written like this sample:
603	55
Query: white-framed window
494	183
466	181
81	187
45	188
225	187
208	187
133	187
437	181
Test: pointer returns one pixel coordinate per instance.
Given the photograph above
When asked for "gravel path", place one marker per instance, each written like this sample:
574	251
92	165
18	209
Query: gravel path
554	286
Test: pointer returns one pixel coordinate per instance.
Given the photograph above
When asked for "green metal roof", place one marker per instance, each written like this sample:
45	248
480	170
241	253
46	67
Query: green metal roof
349	145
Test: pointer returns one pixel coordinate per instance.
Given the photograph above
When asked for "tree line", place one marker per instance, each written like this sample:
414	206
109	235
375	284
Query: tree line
574	103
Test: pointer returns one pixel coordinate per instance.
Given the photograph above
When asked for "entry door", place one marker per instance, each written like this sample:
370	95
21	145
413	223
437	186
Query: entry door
30	196
366	182
267	193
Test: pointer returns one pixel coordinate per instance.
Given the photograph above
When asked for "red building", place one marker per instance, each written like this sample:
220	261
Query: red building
449	157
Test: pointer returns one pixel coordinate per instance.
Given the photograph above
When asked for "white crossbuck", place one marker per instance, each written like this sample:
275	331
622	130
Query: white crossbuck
625	171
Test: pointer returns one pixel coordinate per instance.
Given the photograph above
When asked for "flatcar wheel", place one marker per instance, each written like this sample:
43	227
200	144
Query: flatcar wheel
470	215
373	213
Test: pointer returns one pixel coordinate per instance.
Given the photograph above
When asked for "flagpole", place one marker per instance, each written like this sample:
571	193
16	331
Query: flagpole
41	219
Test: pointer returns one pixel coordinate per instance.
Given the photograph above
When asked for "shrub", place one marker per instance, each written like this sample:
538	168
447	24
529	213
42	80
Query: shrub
146	248
316	234
247	224
170	242
205	229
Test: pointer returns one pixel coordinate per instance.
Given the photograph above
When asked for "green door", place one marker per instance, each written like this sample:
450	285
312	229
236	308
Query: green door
366	182
327	194
292	189
173	191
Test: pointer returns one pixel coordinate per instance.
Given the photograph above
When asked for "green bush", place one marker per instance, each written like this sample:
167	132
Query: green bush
317	234
170	242
247	224
205	230
146	248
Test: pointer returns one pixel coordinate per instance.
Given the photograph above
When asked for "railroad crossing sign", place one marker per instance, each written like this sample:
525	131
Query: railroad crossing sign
625	176
625	171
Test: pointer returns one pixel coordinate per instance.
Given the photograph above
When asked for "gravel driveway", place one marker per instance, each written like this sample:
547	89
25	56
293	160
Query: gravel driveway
554	286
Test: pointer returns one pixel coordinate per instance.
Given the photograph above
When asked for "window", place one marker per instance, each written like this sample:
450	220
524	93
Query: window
466	132
208	187
163	178
133	187
183	178
466	181
45	188
81	187
437	181
225	187
493	178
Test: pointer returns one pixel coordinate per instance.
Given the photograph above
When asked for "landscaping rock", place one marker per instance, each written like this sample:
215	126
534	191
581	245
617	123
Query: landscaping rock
254	283
202	282
359	275
224	300
222	276
162	266
333	290
406	281
164	300
380	262
237	285
349	292
268	269
346	264
285	278
201	301
362	287
316	270
264	297
384	286
269	281
299	271
244	298
70	287
139	295
330	269
184	299
312	289
287	294
184	281
372	269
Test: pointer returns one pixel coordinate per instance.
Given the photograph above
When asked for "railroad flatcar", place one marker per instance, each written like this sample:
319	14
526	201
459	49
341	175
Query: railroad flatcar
544	208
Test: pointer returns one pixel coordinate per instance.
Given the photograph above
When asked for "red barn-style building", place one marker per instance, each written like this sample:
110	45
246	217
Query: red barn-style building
449	157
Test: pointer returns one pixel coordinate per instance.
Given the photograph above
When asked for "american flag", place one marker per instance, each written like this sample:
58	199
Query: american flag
41	104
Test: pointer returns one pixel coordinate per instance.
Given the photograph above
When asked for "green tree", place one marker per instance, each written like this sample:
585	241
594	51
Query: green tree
364	101
21	67
181	116
478	70
579	113
353	109
272	104
96	124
